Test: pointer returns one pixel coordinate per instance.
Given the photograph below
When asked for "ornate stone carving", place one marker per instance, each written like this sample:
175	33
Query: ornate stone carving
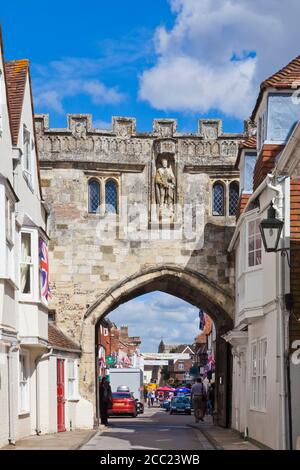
124	127
165	184
164	127
165	146
215	149
210	129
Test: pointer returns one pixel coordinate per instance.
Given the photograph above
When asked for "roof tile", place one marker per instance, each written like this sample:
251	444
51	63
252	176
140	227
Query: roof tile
58	339
16	73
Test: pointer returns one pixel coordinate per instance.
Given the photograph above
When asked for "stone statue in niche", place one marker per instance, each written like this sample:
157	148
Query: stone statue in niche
165	185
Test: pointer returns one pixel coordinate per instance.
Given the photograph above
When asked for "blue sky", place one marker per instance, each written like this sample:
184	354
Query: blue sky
184	59
158	315
165	58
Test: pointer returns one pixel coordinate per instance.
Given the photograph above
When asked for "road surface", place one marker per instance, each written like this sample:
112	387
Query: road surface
155	430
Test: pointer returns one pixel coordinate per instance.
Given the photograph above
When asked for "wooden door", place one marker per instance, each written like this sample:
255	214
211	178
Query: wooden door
61	395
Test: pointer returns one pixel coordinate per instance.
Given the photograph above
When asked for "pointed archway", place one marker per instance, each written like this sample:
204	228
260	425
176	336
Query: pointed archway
186	284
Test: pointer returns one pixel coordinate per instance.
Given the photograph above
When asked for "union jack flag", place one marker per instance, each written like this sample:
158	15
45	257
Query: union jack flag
44	269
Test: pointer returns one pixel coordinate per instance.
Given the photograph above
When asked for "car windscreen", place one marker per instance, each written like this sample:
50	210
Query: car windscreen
121	395
181	400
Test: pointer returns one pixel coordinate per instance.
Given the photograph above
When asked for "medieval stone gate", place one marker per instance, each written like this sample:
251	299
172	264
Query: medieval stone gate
134	212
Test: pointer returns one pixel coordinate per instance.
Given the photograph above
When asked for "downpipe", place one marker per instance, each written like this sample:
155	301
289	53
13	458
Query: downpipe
11	428
40	358
283	332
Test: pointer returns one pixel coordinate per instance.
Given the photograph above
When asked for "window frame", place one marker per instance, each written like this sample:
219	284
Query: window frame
90	181
116	183
221	183
254	267
258	395
71	379
25	357
27	157
233	183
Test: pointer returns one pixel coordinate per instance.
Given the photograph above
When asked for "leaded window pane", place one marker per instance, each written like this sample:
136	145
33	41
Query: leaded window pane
94	197
218	199
233	198
111	197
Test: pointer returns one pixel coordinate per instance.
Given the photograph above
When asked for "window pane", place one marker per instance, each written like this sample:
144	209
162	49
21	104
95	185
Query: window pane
111	193
251	244
25	266
94	196
251	227
251	259
218	199
258	257
233	198
250	161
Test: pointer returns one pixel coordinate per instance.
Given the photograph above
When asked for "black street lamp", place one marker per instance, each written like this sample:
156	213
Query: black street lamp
271	229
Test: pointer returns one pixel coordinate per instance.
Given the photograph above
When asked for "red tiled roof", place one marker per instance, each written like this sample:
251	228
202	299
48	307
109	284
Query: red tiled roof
59	340
16	74
250	143
287	77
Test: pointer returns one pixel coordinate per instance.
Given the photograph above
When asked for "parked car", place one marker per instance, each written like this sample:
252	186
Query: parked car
180	405
139	407
123	388
166	404
123	404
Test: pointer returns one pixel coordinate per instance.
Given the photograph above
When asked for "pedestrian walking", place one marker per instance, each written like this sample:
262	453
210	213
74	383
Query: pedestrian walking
105	397
198	395
211	399
149	399
152	398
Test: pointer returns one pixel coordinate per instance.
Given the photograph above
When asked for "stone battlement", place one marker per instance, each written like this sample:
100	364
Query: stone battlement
81	124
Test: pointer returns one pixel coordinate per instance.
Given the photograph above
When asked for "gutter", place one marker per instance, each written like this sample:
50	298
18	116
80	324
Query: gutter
11	405
37	383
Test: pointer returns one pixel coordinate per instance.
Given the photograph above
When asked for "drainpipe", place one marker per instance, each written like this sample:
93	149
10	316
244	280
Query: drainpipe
37	393
11	407
282	320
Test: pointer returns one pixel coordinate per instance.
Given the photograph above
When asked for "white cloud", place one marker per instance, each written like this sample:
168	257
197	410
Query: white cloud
158	315
70	77
195	70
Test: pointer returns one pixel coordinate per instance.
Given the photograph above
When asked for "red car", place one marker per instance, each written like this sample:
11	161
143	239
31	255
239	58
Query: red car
123	404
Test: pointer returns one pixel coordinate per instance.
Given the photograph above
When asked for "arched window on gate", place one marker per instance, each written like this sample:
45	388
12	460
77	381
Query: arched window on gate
111	197
94	196
233	197
218	202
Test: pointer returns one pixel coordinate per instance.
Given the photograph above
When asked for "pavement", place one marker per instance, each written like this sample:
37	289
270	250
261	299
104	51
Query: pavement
158	430
70	440
153	430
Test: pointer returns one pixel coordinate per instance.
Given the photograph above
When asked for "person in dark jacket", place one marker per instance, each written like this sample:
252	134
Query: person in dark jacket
105	396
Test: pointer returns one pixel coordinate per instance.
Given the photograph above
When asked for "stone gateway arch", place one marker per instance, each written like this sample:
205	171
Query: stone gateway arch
132	213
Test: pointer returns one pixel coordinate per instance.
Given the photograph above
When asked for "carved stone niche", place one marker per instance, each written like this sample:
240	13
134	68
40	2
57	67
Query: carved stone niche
165	146
79	124
210	129
124	126
41	123
164	127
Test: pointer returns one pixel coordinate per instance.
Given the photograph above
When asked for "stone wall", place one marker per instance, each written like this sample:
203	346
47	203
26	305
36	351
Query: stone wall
86	262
